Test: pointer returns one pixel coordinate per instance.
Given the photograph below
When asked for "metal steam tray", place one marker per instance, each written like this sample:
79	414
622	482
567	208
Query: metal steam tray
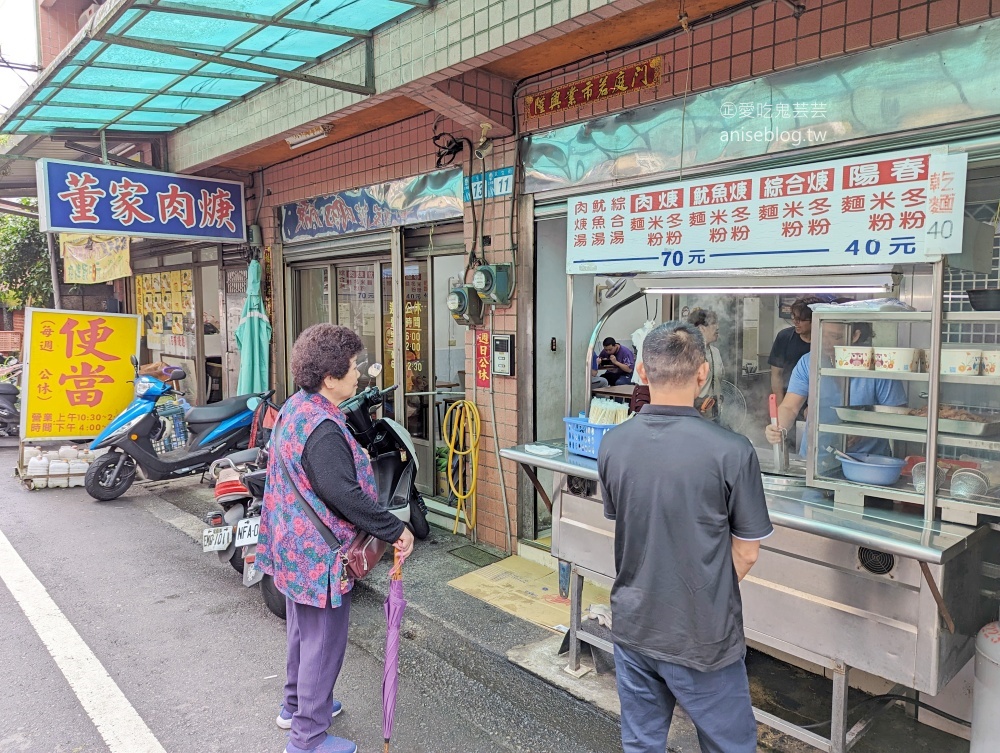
884	415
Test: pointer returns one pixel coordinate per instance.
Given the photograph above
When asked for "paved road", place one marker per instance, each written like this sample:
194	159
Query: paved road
195	656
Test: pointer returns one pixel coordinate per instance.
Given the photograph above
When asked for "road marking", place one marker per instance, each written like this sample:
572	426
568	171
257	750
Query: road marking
119	723
183	521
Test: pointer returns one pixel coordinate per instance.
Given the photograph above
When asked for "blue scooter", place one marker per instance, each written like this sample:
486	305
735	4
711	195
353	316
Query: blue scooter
214	431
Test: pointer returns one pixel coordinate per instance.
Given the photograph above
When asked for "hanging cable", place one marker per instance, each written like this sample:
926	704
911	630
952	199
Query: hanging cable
449	146
462	418
482	226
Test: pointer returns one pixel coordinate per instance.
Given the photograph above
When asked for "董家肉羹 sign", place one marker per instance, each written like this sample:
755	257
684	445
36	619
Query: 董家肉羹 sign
79	197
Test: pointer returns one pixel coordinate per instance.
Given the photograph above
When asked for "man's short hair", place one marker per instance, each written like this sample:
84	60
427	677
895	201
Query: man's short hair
608	342
672	354
800	307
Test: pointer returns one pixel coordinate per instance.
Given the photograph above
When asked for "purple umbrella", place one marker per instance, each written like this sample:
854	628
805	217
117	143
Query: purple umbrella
394	606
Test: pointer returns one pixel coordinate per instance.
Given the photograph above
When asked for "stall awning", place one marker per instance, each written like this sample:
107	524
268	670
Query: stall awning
160	65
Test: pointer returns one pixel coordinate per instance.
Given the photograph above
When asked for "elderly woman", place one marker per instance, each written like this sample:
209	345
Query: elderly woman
707	322
316	461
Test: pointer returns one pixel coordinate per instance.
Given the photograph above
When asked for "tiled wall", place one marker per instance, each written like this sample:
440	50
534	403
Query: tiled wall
57	25
760	40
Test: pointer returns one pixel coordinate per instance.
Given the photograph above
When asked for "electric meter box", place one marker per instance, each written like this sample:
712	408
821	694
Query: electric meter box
465	306
502	352
492	282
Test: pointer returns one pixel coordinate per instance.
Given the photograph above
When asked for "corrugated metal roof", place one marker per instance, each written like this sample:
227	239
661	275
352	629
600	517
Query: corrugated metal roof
160	65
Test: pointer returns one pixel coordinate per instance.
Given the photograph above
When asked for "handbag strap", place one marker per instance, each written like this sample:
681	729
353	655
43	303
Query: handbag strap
324	530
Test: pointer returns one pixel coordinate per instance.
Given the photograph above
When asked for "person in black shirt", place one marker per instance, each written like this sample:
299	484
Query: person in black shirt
689	510
790	345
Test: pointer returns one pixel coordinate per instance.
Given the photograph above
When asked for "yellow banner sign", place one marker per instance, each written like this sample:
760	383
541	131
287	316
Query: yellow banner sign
89	259
77	372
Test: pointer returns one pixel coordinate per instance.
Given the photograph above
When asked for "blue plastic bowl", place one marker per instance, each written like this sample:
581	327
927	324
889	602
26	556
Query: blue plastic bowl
876	469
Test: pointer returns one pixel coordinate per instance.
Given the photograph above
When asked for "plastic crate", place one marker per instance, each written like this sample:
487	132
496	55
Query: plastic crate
583	437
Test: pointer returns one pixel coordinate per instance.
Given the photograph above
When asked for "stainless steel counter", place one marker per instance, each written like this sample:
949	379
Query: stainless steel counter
808	510
840	586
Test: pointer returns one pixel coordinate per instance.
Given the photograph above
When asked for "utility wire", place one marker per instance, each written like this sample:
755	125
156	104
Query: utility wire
14	67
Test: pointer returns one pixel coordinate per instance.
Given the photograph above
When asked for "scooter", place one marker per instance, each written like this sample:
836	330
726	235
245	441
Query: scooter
394	462
10	398
214	430
235	528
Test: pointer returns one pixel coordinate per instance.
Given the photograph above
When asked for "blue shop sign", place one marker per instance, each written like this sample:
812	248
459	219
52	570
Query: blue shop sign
80	197
498	183
419	199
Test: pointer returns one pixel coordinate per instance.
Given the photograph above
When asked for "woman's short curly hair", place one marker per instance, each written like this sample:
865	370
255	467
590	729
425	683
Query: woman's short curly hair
323	350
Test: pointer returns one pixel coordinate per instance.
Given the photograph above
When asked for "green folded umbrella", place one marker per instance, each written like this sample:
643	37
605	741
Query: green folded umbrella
253	338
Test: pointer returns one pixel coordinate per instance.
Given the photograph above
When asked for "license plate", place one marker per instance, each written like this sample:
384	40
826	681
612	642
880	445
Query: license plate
247	530
251	574
216	539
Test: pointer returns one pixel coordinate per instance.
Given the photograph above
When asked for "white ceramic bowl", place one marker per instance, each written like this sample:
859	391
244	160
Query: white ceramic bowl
961	362
853	357
991	363
897	359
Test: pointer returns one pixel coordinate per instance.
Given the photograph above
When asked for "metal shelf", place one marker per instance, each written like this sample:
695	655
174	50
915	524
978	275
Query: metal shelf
905	376
855	315
972	316
910	376
975	381
910	435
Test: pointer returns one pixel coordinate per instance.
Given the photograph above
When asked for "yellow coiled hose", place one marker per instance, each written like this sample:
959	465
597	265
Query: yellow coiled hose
462	417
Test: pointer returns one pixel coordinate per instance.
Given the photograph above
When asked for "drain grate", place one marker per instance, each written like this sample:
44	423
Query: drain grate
475	555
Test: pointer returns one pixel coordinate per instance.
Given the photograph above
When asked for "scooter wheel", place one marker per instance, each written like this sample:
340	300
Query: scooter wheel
418	519
273	598
98	481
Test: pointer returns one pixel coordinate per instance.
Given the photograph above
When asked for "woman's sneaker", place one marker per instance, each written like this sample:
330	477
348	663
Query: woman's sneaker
284	719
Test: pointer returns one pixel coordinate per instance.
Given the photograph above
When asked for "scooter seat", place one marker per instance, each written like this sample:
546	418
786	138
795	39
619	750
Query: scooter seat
6	388
210	414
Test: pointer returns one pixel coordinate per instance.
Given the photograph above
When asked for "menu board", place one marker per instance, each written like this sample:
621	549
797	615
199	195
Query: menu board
165	304
903	207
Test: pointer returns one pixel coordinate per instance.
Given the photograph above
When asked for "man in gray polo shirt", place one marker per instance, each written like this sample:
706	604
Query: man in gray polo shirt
689	511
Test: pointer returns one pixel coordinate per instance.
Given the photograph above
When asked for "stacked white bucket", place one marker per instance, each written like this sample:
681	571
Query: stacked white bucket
61	469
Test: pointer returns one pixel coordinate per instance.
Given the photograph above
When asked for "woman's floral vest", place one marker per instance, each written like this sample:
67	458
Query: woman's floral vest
289	547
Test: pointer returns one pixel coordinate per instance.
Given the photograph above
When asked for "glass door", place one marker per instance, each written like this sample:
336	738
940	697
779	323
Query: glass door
312	297
448	351
357	307
413	408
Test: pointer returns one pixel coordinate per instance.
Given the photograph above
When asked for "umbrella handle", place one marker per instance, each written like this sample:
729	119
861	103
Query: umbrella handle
397	565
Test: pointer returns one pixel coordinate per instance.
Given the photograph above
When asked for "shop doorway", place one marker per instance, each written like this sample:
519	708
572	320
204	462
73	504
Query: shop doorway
341	293
434	352
550	364
433	348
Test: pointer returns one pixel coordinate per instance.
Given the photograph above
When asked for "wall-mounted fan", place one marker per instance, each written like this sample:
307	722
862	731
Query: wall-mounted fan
609	289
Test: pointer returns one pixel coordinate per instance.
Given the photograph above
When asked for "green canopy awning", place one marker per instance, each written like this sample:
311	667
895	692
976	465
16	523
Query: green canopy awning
160	65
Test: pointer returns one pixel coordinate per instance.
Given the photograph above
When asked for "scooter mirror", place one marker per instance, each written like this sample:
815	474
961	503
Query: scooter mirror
374	370
253	402
135	362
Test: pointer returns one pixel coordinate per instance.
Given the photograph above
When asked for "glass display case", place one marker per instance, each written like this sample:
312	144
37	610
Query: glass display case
876	392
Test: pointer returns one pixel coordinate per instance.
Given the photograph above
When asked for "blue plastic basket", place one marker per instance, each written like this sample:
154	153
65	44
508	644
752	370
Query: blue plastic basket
583	437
